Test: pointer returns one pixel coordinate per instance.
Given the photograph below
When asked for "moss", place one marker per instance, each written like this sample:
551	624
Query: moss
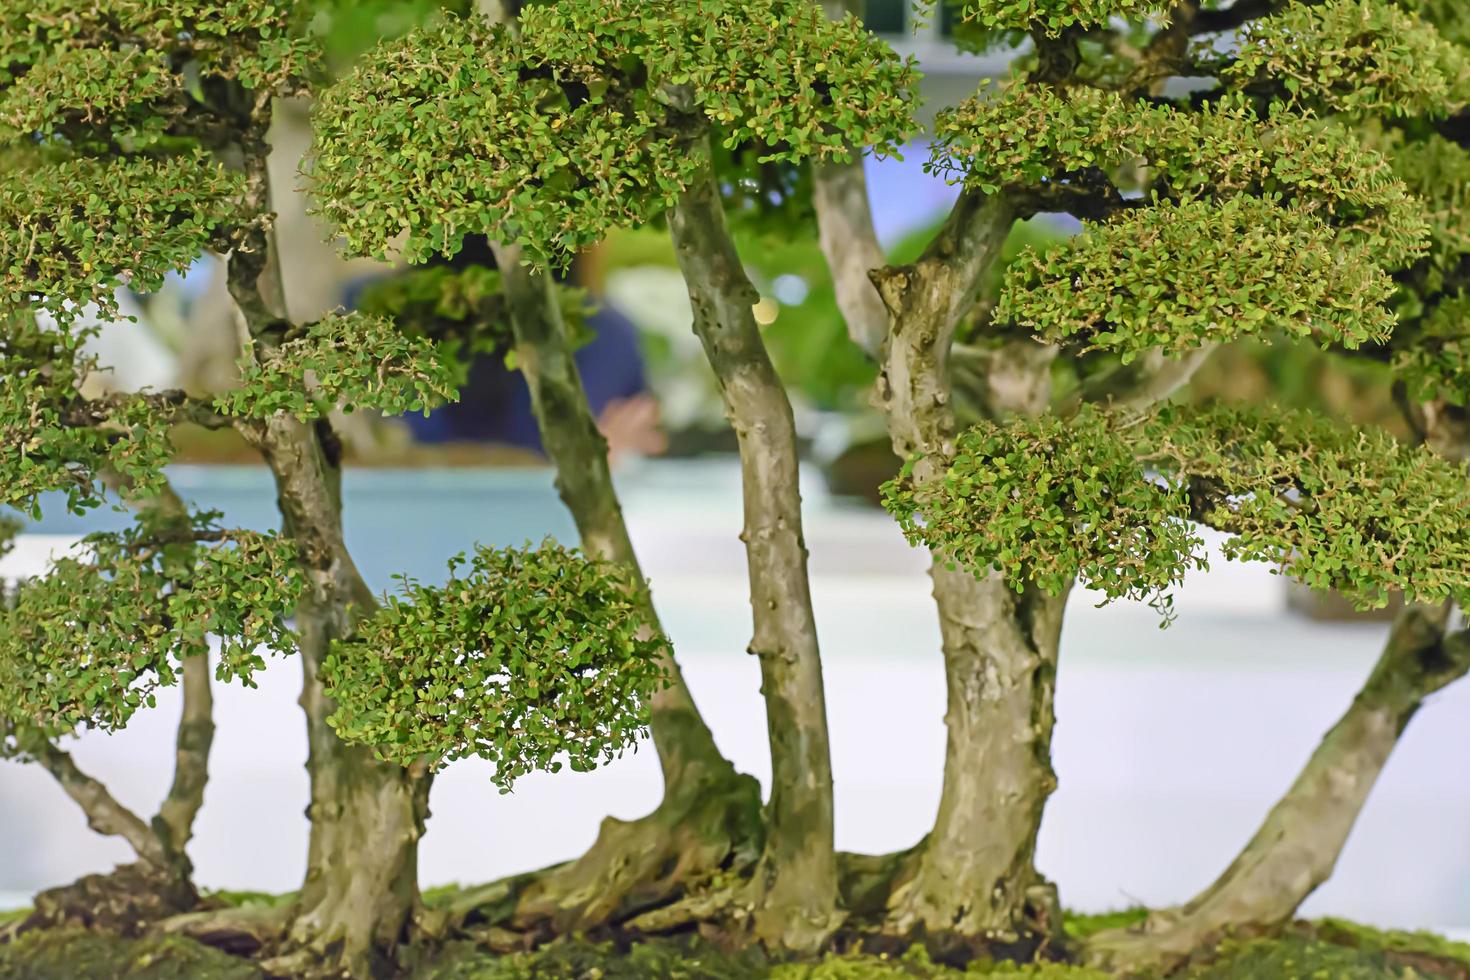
1081	926
1299	958
71	955
574	960
1345	933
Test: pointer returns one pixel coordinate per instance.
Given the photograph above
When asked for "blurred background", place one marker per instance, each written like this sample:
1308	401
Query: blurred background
1171	744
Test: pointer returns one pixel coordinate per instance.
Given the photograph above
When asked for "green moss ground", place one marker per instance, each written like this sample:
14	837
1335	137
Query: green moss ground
1327	950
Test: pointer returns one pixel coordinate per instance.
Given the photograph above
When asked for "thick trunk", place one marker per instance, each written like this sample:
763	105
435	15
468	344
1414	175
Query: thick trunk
367	816
1296	848
974	885
795	892
973	882
710	814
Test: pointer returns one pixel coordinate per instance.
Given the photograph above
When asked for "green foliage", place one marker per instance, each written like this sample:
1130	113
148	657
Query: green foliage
88	643
53	439
1105	499
1053	16
1353	56
1334	507
258	42
81	955
72	232
1437	172
1180	275
352	361
533	655
592	119
1030	135
131	91
1435	363
1050	500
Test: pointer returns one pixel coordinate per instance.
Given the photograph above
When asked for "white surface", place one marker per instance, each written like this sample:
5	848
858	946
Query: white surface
1170	744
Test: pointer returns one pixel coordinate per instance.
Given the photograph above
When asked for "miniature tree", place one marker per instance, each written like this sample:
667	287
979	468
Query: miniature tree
1216	213
585	117
136	136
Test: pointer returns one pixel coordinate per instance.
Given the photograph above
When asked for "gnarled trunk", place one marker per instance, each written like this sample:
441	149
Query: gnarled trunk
795	894
709	818
1298	845
974	884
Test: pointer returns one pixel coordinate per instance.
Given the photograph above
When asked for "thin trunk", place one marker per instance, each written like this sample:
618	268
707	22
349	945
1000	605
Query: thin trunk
796	894
175	821
1298	845
848	239
361	887
709	811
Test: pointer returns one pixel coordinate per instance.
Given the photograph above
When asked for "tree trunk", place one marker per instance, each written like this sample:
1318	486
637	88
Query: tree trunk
795	892
972	886
361	886
367	816
1297	847
710	815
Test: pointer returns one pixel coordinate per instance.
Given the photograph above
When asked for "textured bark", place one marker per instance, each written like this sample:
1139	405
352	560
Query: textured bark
361	886
1298	844
850	243
973	883
174	823
795	890
710	815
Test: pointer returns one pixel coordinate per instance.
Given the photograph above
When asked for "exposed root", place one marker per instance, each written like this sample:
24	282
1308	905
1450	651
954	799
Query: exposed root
240	931
692	841
126	901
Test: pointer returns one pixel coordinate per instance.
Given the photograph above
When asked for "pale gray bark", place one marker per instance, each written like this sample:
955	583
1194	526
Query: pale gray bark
796	897
708	810
1152	377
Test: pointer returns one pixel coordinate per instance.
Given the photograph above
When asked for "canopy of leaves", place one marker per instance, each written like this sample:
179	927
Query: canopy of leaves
82	93
591	119
1050	500
255	41
1052	16
1177	276
53	439
72	232
1435	362
1033	136
349	361
1353	56
1105	499
531	656
90	642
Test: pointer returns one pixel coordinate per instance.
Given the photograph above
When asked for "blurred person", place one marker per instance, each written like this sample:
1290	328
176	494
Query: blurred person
495	402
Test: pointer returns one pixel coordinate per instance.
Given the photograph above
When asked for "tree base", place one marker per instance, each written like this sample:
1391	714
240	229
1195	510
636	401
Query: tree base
128	901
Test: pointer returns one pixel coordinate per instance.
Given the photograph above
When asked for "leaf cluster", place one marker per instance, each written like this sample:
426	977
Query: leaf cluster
53	439
1032	136
525	657
1107	499
73	231
344	360
1054	16
90	642
1356	57
593	117
1180	275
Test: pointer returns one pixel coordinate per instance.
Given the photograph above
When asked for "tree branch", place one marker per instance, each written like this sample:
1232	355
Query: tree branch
104	813
850	243
1151	378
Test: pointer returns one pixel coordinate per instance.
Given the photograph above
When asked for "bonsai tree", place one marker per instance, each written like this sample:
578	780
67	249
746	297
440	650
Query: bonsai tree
1281	198
135	136
1245	204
